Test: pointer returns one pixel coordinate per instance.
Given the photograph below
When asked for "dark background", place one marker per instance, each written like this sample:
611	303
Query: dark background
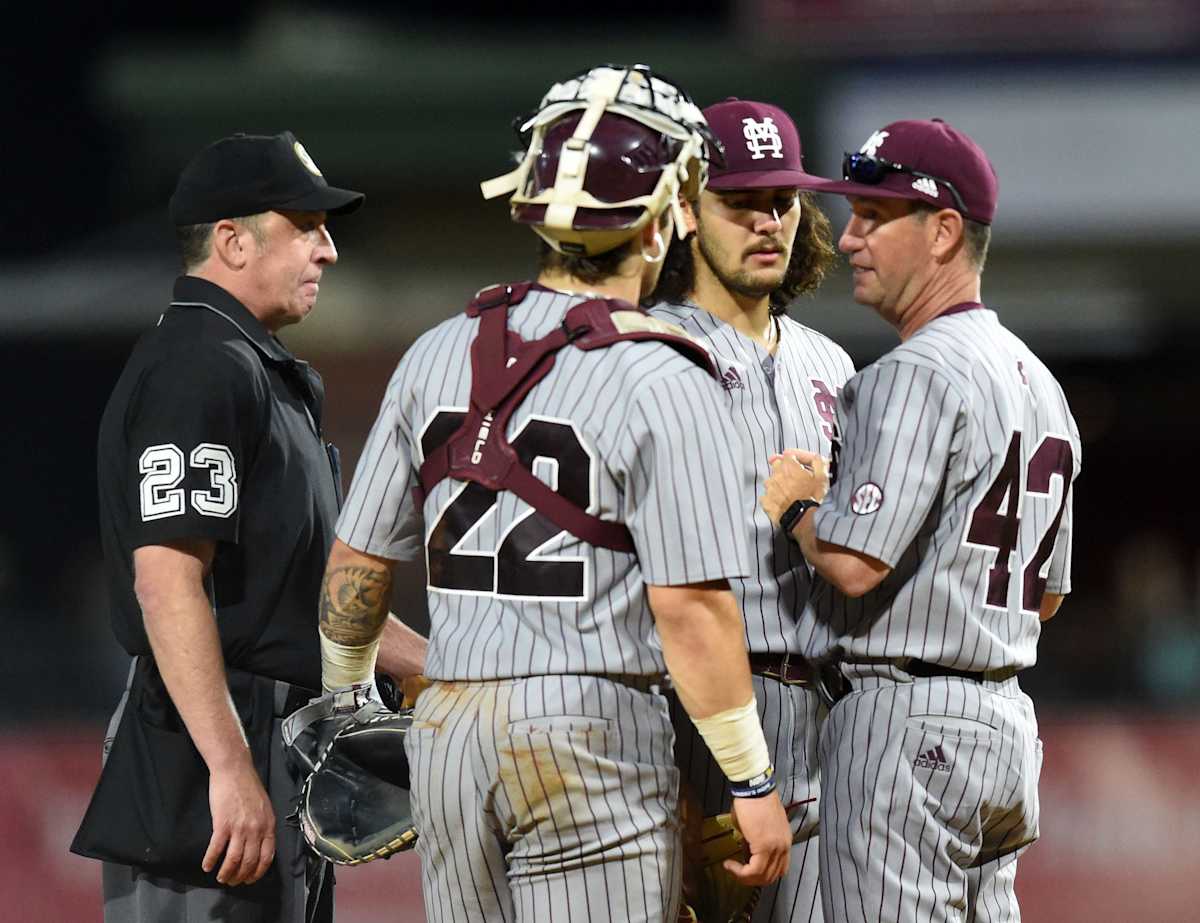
1089	109
414	108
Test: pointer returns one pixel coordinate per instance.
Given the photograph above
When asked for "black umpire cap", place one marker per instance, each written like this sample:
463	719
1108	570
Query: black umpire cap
249	174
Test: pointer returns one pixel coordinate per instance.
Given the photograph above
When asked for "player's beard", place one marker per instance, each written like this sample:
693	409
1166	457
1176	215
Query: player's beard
742	281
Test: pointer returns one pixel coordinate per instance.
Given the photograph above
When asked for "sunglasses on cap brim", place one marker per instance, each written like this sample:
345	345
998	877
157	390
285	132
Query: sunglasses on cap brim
871	171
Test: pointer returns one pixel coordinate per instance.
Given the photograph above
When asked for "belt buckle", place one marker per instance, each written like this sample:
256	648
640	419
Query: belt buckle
803	675
822	674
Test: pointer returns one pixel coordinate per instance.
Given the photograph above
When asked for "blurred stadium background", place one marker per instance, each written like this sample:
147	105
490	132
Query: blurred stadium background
1089	109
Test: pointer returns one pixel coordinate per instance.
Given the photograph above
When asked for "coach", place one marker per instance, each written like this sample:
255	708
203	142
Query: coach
218	498
947	535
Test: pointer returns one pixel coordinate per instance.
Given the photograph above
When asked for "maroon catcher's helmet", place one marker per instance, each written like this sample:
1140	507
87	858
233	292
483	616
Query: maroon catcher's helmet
609	150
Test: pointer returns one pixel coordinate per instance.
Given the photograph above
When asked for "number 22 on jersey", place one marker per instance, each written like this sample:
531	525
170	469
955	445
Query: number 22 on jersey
516	567
996	520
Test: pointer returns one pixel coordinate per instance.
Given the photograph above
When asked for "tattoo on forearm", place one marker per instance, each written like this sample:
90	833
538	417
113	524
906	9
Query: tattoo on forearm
354	604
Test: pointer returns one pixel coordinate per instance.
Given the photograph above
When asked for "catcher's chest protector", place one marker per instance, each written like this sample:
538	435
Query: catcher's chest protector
504	368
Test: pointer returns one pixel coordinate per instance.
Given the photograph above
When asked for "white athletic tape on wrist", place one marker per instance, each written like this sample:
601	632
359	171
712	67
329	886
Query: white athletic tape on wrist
343	665
735	738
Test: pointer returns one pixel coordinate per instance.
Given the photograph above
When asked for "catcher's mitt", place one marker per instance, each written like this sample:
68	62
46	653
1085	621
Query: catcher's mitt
354	804
714	895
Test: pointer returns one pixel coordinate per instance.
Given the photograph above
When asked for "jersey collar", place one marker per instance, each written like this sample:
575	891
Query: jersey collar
194	292
961	308
709	324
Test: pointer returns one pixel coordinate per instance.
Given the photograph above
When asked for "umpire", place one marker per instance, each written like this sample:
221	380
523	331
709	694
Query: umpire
218	498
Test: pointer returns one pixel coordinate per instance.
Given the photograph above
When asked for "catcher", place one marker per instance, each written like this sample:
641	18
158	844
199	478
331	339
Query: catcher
561	462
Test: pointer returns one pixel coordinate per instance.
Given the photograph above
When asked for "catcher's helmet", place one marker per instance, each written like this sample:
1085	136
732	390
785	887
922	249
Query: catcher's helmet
607	152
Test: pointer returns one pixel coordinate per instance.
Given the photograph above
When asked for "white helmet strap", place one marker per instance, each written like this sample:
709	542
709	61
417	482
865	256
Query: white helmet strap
573	158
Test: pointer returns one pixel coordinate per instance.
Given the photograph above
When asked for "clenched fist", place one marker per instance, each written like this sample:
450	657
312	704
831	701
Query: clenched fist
795	475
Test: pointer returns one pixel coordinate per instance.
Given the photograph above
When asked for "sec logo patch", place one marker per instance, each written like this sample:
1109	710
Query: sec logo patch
867	498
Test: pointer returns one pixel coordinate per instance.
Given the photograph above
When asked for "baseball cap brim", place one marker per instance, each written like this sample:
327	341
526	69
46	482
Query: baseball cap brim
767	179
328	199
898	187
846	187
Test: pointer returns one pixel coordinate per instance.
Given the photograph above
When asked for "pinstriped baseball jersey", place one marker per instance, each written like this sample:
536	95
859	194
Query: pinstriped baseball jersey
776	402
633	433
958	458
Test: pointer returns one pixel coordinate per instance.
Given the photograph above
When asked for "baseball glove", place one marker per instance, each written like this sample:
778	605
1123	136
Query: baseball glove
714	895
354	804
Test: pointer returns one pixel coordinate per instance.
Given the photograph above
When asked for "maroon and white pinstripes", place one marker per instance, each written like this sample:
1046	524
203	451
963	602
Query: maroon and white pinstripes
957	470
942	440
660	454
544	784
780	401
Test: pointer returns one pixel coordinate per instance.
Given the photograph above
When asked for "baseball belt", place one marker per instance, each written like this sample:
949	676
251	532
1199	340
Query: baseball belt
833	686
791	669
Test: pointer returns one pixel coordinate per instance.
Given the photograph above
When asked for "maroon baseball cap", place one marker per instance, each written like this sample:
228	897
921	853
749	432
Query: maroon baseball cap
928	150
762	147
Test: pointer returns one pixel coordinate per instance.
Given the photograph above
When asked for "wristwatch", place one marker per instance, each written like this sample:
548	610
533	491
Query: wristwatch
792	514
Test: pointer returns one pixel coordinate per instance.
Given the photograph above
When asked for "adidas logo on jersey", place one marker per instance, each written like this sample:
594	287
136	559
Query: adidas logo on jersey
926	186
934	759
731	380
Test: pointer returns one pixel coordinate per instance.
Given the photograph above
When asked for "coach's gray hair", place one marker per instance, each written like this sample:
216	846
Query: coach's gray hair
976	236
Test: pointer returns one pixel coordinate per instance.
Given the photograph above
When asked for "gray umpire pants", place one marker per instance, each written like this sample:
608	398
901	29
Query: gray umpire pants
133	896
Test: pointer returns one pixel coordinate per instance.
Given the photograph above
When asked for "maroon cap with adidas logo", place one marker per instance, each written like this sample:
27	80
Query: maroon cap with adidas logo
926	160
762	147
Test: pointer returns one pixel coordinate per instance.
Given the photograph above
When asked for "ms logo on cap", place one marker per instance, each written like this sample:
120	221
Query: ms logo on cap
308	162
873	143
762	136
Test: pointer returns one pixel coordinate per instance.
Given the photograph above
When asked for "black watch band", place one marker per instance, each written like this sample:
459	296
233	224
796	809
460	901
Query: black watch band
792	514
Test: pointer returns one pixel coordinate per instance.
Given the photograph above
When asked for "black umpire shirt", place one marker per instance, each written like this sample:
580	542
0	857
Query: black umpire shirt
213	432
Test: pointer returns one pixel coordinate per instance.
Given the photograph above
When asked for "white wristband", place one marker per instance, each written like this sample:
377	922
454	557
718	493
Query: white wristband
736	740
343	666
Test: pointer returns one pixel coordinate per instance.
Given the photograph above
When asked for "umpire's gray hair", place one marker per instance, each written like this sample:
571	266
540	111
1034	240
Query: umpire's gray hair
195	240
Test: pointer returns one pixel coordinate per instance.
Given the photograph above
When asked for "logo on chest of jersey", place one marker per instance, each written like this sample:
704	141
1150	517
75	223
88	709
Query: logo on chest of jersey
934	758
481	438
867	498
731	379
826	405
